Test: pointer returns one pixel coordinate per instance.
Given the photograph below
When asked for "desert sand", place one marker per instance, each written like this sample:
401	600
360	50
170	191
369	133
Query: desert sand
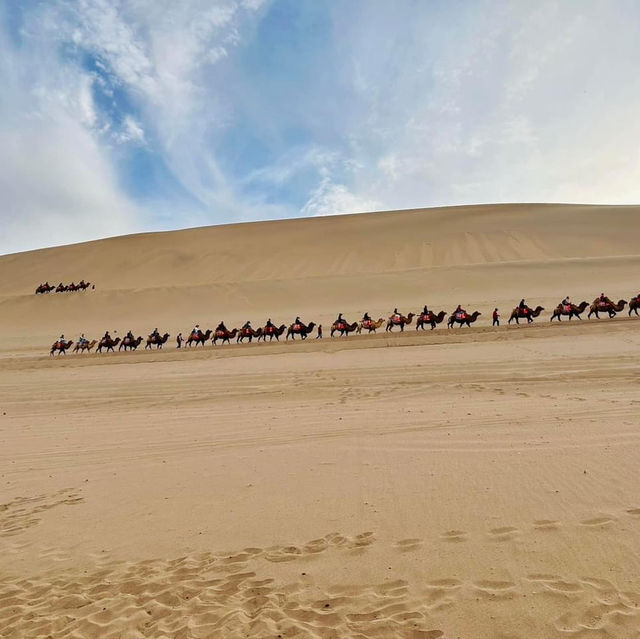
472	483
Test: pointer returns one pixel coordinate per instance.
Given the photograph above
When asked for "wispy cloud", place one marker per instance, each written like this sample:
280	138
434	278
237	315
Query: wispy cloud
125	115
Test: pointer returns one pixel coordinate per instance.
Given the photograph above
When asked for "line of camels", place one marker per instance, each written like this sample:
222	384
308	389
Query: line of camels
343	328
63	288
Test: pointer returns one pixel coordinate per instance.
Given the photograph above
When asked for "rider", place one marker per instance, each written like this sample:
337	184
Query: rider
82	340
565	302
425	310
298	321
61	339
603	299
340	319
106	335
247	324
129	335
196	330
220	327
460	311
270	324
366	317
396	315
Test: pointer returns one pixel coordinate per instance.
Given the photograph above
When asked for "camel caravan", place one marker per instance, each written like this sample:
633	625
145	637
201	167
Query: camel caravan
341	327
42	289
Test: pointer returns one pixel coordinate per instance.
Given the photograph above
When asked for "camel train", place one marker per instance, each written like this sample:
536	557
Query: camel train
341	327
63	288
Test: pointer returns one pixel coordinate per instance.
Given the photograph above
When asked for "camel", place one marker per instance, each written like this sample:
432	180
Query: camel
84	346
248	333
605	307
61	288
198	338
83	286
344	328
402	322
44	288
300	329
572	311
60	347
107	343
462	319
525	313
370	325
271	332
430	318
159	340
127	342
634	305
225	336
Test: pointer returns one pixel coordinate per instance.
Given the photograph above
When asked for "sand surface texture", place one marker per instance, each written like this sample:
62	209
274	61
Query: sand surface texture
473	483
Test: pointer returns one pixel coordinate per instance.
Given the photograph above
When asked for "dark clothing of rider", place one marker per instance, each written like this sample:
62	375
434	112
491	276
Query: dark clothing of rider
221	327
366	318
270	324
247	325
425	310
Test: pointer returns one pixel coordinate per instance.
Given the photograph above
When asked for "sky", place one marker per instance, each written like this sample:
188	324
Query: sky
122	116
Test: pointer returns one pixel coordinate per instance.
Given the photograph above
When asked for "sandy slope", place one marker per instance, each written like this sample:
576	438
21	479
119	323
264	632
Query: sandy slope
477	483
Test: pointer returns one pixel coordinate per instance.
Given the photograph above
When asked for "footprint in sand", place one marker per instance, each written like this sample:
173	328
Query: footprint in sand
597	522
546	524
407	545
634	511
454	536
504	533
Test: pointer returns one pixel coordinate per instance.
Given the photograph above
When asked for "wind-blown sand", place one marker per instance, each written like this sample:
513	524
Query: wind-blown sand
472	483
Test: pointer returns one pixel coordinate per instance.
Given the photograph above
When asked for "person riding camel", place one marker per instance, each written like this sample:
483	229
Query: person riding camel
130	336
298	322
425	310
366	317
61	339
566	302
154	334
196	330
340	320
460	312
246	325
82	340
107	336
603	300
220	327
396	315
270	324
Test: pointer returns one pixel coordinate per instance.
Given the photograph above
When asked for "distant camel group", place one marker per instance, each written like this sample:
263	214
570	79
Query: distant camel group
341	327
63	288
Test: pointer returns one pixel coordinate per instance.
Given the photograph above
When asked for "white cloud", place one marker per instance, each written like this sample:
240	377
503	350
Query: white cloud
335	199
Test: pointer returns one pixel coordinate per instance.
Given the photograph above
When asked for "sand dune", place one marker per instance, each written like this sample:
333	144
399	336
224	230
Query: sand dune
472	483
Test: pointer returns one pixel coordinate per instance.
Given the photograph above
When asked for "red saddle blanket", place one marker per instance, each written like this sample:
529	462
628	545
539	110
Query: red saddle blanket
603	304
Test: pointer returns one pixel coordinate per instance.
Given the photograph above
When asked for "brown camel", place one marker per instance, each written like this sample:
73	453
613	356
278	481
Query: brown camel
572	311
634	305
225	336
85	346
430	318
300	329
401	322
44	288
369	325
158	340
60	347
248	333
462	319
109	344
605	307
525	313
61	288
198	338
127	342
271	332
344	328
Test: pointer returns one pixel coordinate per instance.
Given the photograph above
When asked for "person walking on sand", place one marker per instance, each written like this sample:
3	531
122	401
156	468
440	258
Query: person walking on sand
179	340
496	317
319	335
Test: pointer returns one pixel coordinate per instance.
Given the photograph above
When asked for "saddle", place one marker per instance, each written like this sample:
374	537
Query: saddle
366	323
341	325
461	316
297	327
566	308
603	304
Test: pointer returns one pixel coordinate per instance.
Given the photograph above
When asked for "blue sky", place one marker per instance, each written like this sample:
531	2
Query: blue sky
121	116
